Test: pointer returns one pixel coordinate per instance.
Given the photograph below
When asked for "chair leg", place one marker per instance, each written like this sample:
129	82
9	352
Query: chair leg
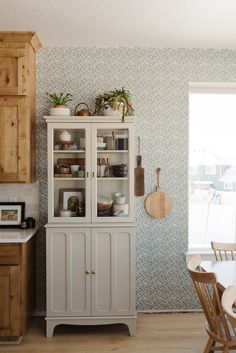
210	343
225	349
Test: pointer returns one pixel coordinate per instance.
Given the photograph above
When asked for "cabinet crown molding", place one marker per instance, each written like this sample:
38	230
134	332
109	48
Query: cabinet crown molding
16	37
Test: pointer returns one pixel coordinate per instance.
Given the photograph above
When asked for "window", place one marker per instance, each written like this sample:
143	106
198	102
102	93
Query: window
212	165
210	169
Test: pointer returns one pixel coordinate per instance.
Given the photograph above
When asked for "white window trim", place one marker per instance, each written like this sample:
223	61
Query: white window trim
208	87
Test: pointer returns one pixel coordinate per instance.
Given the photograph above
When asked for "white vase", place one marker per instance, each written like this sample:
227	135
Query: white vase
109	111
59	111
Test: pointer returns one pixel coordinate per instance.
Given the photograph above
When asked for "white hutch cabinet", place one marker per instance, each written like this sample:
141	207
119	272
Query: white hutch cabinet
90	230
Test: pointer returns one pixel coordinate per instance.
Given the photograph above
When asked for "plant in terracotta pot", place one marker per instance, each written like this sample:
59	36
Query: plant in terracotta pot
115	103
60	101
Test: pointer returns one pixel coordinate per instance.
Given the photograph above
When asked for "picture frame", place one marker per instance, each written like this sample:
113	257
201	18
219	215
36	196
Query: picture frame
11	214
72	199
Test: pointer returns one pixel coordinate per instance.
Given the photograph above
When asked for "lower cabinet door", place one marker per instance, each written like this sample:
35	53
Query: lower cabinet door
112	271
9	301
68	272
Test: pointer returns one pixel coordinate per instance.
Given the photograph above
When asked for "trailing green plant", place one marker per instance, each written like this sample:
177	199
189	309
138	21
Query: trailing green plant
117	99
60	98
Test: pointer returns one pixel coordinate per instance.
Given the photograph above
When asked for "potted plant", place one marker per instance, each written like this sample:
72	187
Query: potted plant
60	101
115	103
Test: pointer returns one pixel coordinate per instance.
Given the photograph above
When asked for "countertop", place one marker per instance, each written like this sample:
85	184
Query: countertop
13	235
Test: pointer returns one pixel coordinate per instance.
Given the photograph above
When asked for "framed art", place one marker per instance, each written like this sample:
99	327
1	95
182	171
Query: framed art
72	200
11	214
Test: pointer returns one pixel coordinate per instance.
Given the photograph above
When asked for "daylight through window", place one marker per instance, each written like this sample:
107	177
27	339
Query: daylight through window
212	168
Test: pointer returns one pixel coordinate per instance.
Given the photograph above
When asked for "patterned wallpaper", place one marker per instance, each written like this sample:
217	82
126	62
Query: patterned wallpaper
158	80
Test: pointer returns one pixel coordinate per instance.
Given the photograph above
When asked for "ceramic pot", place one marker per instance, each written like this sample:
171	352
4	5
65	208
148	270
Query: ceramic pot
59	110
109	111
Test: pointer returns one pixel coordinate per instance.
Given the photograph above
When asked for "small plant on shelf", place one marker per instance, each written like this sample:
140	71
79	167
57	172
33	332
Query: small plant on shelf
60	101
117	103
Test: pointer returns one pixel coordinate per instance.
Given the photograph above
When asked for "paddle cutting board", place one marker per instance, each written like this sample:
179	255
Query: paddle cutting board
139	175
158	203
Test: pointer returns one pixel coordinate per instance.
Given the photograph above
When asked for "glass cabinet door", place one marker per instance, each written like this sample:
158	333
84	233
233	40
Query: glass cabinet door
113	173
68	173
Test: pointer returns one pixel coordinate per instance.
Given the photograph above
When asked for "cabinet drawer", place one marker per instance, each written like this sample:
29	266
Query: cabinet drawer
9	254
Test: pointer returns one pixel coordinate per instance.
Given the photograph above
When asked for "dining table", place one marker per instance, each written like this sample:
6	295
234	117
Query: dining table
225	272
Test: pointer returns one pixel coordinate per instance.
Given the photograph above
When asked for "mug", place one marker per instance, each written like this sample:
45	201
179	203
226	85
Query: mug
74	169
119	198
101	170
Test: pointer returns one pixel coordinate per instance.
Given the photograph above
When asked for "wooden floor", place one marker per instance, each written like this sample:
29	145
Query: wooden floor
156	333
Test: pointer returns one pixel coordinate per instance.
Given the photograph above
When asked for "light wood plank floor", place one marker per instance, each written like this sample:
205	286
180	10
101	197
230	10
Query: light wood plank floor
156	333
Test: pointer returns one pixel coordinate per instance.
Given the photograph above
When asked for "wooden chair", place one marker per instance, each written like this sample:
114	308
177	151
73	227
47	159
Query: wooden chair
224	251
218	328
228	303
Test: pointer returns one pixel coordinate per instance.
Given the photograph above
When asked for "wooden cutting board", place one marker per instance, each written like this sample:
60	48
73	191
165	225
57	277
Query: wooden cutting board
139	174
158	203
139	189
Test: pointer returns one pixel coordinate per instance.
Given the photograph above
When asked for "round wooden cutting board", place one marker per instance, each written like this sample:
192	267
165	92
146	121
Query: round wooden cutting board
158	203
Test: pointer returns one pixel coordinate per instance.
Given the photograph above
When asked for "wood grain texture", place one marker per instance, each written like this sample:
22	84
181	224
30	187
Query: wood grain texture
158	204
139	188
17	282
9	301
17	78
21	37
156	333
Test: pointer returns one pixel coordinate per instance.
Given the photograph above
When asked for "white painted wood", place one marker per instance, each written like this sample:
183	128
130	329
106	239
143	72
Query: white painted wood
90	260
130	321
113	281
68	260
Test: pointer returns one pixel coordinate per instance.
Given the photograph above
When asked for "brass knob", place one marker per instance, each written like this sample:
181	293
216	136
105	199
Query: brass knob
87	173
87	272
93	272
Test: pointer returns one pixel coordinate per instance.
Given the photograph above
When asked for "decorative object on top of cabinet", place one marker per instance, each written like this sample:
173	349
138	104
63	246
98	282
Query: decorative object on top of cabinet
60	101
17	105
158	203
139	174
82	111
114	103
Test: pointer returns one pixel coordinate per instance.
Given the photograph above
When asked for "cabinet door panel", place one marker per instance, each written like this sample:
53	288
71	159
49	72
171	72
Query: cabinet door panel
68	289
13	71
113	284
9	301
14	145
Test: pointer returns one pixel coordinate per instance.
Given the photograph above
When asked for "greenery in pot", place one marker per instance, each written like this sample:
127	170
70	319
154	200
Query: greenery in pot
60	99
119	100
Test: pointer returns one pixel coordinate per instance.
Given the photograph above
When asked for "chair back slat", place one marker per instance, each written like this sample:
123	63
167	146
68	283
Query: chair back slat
209	296
224	251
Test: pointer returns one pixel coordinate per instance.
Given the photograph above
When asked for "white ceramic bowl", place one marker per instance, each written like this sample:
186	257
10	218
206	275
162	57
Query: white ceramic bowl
101	145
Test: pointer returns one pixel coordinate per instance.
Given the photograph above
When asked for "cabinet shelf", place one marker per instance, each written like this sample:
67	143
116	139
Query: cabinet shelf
69	178
112	178
68	151
112	151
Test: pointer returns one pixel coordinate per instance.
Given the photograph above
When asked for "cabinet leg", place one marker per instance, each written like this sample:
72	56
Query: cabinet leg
132	327
49	328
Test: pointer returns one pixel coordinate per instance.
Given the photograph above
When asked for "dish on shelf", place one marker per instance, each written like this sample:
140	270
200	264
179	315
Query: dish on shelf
104	207
101	145
120	170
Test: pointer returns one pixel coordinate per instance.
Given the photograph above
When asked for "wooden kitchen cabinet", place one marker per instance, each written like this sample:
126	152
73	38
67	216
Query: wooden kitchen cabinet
16	288
17	106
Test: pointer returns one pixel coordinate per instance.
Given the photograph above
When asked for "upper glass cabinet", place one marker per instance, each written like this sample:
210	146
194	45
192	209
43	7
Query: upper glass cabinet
90	169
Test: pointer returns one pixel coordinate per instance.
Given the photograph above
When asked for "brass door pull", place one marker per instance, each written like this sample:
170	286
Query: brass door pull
87	272
93	272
